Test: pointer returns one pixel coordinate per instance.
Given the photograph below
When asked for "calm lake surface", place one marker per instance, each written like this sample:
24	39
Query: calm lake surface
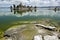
7	16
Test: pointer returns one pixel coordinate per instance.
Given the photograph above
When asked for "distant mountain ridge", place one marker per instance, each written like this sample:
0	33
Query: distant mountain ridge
40	7
4	7
50	7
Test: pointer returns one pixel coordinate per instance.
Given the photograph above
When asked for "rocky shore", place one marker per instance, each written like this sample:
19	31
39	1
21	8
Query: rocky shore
32	32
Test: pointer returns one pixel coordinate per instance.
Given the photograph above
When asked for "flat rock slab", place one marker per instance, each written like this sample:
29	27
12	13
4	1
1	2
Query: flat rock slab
38	37
47	37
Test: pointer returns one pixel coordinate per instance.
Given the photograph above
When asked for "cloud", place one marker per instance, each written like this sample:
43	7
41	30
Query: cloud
32	2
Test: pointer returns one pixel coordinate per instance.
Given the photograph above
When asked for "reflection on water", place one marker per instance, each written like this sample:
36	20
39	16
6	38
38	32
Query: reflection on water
29	14
8	16
21	12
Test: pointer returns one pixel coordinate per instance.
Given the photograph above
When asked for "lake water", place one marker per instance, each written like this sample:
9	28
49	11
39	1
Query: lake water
7	16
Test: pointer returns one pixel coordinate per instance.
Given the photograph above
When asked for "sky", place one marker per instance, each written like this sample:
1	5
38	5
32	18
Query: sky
40	3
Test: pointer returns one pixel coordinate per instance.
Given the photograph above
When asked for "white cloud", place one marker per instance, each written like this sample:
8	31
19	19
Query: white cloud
33	2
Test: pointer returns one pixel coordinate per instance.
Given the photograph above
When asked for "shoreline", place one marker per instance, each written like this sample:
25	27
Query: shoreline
38	29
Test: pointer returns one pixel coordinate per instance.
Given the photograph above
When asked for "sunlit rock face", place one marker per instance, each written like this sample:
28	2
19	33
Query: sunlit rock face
38	37
46	37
